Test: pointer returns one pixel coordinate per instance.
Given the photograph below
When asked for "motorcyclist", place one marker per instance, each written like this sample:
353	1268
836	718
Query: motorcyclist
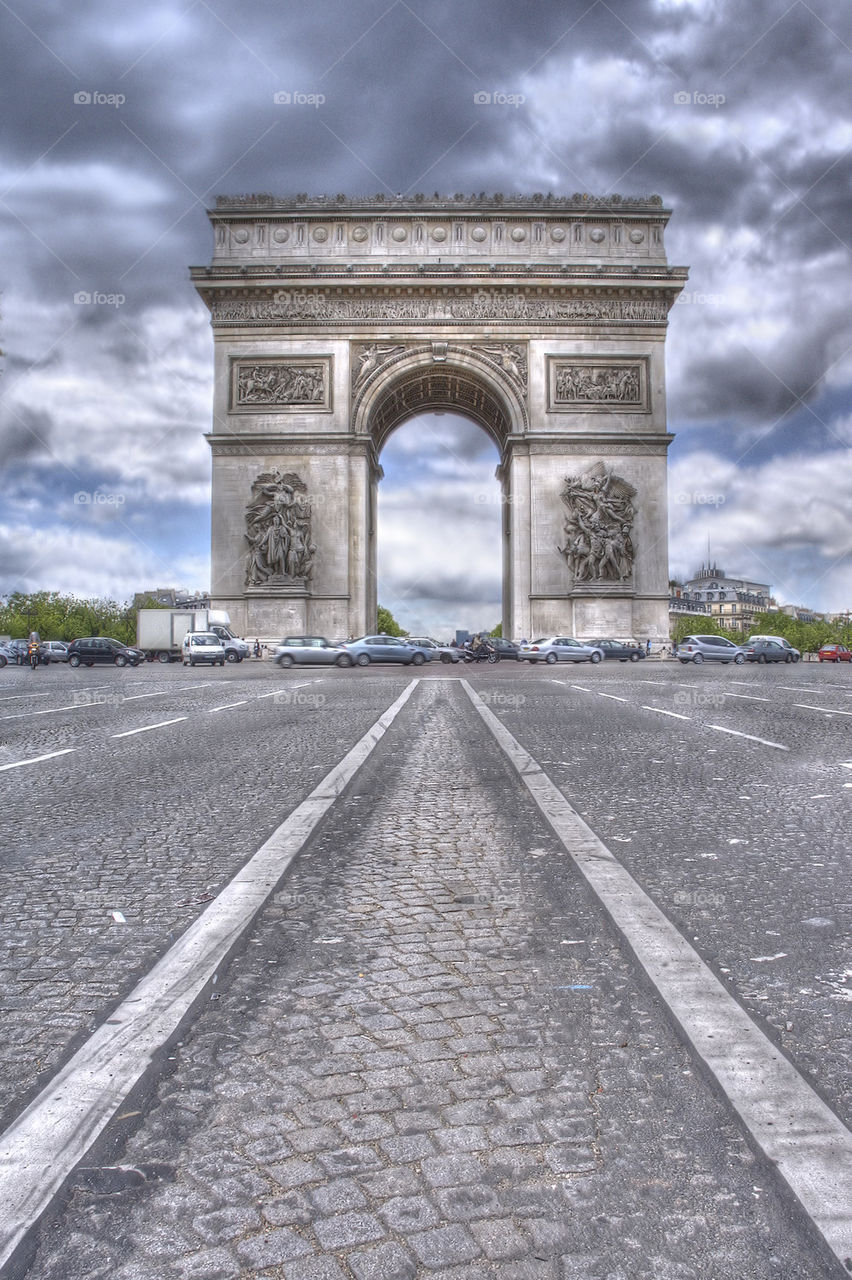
33	649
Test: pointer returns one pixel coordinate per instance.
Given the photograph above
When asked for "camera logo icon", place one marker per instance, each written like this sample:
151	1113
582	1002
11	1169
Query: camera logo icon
82	298
282	98
82	499
682	98
481	99
82	98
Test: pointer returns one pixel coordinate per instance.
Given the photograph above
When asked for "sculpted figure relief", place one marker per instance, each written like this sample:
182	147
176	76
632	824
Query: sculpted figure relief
595	384
278	531
598	526
280	384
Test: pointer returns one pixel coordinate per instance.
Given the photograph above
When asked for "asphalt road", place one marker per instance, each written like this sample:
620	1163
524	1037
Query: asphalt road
724	792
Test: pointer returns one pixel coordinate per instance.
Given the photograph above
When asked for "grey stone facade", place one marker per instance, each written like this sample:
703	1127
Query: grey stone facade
541	319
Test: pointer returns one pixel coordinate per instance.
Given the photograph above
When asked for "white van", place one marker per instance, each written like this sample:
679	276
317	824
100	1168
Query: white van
202	646
793	655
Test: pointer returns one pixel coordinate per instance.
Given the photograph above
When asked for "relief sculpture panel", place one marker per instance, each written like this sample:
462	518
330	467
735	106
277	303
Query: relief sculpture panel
587	385
258	386
598	526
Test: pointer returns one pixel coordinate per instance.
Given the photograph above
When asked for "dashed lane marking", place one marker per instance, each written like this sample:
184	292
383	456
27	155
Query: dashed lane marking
146	728
613	696
752	697
227	706
662	711
720	728
37	759
829	711
798	1133
41	1147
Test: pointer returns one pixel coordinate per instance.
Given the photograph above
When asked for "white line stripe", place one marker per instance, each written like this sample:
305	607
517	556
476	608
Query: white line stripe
808	1144
49	711
584	688
829	711
662	711
752	697
614	696
720	728
227	706
159	693
146	728
37	759
39	1150
16	697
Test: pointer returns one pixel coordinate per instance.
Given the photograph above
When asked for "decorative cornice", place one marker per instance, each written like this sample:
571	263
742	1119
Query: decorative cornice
579	202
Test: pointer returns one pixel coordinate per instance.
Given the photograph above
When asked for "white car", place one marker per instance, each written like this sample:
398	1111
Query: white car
202	646
553	649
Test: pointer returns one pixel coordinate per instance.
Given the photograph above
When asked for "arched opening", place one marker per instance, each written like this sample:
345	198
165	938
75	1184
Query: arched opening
441	428
439	526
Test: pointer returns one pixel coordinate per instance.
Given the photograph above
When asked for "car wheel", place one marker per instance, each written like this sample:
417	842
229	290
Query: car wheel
363	659
739	659
2	661
795	657
595	658
634	657
418	660
551	658
698	659
231	656
343	661
164	656
760	659
120	660
286	660
445	658
788	658
684	661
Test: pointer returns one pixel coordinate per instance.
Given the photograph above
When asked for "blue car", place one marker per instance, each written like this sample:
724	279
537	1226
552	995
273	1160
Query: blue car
383	649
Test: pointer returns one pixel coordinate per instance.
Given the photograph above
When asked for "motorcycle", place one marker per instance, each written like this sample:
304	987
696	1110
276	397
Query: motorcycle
485	653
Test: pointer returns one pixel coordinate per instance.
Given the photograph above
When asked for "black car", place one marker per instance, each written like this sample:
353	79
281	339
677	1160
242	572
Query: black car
18	652
504	648
100	649
765	651
618	651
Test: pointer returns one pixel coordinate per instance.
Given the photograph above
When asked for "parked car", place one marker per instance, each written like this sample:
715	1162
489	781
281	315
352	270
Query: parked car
18	652
765	651
101	649
203	646
832	653
559	649
792	655
618	651
383	649
434	652
6	655
57	650
710	649
311	650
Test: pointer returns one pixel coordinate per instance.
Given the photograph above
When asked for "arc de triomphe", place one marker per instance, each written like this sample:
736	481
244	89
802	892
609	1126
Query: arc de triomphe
543	319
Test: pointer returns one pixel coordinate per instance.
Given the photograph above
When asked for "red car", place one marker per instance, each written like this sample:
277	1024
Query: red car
835	653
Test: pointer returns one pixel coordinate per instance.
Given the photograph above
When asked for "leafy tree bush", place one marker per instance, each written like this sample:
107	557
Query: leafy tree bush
387	624
58	617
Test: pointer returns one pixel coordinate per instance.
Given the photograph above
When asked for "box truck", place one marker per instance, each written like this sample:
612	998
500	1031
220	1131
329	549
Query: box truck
160	632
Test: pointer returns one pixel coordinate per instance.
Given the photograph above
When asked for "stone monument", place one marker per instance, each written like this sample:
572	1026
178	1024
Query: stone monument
541	318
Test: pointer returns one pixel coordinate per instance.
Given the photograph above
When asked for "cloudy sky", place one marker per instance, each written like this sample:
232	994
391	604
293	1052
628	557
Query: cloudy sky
123	122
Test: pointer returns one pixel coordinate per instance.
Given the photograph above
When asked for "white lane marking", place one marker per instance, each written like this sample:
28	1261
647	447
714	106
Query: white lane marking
810	1147
584	688
752	697
614	696
227	706
41	1147
829	711
37	759
16	697
49	711
159	693
662	711
146	728
846	764
720	728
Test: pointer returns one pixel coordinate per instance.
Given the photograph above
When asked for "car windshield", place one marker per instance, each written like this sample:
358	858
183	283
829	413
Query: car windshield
208	640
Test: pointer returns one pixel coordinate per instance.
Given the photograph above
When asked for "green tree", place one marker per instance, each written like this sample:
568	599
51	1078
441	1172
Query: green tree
498	631
387	624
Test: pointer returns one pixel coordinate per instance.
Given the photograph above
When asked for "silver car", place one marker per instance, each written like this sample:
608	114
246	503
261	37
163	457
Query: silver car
434	652
383	649
700	649
559	649
311	651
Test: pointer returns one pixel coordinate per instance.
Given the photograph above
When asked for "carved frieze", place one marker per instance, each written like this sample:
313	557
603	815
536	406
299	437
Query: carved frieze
286	383
509	357
368	357
598	526
585	384
389	307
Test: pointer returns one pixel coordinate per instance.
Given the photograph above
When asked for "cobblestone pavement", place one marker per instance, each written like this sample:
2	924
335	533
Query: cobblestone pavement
432	1058
151	826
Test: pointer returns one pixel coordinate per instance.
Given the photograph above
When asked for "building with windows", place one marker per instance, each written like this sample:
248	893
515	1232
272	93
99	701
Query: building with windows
732	602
